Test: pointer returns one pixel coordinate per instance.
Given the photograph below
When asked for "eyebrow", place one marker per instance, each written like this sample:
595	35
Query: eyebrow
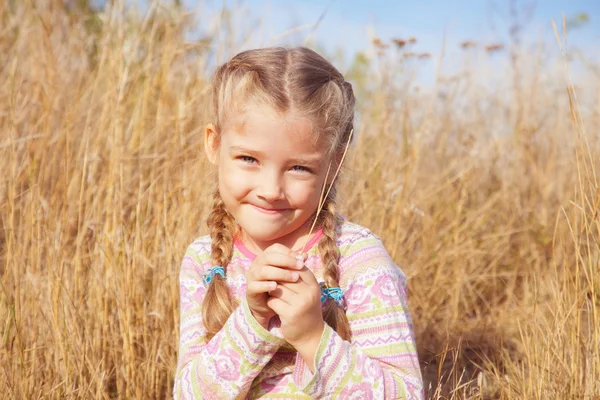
297	160
242	149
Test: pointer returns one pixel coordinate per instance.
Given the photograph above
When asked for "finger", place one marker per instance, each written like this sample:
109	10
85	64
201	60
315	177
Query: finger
279	248
260	287
287	290
278	305
307	276
307	283
271	273
282	260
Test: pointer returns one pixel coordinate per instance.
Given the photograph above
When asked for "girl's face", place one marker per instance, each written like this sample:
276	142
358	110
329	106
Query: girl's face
271	171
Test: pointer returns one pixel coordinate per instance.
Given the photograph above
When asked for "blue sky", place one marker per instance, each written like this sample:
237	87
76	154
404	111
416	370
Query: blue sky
349	24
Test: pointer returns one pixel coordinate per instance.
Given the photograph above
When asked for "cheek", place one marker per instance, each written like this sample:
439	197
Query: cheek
233	182
304	193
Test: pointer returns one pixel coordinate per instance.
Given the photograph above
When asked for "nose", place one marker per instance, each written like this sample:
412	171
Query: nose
270	187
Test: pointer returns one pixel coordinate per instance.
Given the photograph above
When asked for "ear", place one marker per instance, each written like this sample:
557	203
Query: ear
211	143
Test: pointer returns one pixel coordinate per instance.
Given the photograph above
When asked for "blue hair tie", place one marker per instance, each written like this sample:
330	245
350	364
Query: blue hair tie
333	293
210	274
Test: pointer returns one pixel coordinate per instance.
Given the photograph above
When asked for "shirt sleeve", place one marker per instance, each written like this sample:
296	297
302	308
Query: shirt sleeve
381	361
225	366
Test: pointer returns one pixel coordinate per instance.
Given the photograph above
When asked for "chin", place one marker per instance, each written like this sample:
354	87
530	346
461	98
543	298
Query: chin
263	235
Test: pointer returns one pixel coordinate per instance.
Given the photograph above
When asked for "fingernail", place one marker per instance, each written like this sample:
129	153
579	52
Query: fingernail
294	276
299	263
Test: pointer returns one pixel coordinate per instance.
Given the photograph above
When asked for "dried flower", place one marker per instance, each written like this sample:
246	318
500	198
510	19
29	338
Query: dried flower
494	47
400	43
378	43
468	44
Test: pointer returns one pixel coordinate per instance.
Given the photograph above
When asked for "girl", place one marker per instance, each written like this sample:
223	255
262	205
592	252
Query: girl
269	310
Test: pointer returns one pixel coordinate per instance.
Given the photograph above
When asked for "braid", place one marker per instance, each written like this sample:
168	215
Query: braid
333	314
218	302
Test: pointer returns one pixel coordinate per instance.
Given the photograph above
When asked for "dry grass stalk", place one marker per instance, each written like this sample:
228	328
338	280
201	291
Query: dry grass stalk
324	195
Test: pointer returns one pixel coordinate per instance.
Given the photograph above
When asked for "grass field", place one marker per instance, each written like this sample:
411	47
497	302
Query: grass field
487	196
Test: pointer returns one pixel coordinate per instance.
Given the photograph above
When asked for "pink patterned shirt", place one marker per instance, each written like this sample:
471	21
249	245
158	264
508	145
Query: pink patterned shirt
244	360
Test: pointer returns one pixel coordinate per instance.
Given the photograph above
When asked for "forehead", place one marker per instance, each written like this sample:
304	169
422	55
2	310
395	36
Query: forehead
265	129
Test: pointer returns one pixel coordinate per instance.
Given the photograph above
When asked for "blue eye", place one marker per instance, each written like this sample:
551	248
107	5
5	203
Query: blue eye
247	159
300	168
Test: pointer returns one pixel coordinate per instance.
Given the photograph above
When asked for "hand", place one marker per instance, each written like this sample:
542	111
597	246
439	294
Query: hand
298	305
276	264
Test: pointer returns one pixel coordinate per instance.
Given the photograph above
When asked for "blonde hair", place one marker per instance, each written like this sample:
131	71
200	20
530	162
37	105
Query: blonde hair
296	79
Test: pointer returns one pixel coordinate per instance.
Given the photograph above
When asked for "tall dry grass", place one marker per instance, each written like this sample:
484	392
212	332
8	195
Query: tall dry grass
486	195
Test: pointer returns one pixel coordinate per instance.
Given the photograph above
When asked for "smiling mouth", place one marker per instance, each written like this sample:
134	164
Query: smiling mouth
269	210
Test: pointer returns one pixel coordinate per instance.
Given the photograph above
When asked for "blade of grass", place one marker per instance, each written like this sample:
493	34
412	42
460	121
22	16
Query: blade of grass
324	197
